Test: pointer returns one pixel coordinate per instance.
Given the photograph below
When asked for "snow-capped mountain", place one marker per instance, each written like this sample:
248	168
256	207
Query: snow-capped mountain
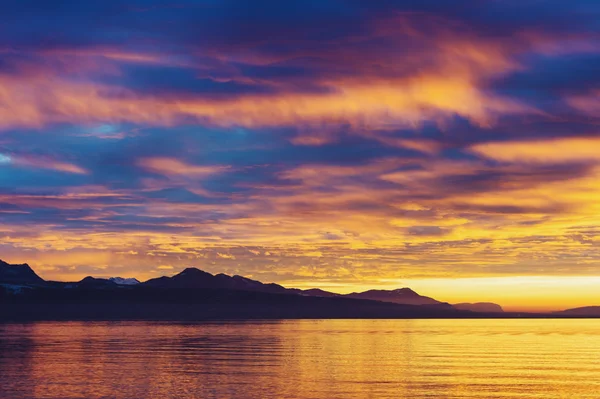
124	281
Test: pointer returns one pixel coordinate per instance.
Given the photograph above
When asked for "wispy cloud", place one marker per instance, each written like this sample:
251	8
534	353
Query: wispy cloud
37	162
561	150
175	167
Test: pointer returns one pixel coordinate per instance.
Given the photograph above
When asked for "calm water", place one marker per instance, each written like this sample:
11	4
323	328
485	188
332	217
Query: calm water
302	359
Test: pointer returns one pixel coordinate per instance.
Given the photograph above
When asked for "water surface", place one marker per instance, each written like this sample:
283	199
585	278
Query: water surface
302	359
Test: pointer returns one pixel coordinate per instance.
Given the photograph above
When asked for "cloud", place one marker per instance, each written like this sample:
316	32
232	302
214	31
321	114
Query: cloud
174	167
443	78
589	103
430	147
375	104
33	162
559	150
426	231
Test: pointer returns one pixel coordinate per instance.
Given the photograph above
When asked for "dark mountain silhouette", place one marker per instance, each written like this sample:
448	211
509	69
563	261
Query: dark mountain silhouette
404	296
319	292
18	274
196	278
189	278
97	283
486	307
586	311
194	294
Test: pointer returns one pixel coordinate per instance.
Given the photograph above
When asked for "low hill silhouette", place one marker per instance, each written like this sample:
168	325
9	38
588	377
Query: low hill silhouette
404	296
486	307
585	311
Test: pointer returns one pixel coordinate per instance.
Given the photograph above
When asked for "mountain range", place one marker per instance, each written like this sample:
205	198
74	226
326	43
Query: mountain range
193	278
21	286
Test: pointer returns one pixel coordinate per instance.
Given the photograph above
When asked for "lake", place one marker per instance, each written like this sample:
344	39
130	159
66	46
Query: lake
302	359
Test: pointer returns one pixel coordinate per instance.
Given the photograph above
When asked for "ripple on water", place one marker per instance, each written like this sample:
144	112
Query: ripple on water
302	359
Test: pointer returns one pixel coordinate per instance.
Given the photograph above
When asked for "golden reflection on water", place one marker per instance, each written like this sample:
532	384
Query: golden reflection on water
302	359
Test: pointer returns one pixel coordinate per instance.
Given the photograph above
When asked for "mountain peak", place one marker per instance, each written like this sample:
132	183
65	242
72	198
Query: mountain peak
193	271
18	274
3	263
124	281
405	291
90	282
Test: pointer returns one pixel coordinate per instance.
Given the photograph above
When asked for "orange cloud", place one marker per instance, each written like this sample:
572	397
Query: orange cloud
41	163
110	53
374	104
174	167
405	94
560	150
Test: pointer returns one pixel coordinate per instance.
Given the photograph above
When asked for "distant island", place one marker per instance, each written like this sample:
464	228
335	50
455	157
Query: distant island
195	294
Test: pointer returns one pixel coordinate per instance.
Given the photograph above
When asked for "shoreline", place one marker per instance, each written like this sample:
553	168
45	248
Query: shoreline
174	312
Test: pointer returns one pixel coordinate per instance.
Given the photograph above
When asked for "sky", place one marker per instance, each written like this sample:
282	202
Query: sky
449	146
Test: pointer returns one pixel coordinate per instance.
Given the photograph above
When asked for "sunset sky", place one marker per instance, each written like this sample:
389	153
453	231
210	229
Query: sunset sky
449	146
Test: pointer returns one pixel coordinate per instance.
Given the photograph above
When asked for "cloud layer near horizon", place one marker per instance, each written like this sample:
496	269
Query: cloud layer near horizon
317	142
